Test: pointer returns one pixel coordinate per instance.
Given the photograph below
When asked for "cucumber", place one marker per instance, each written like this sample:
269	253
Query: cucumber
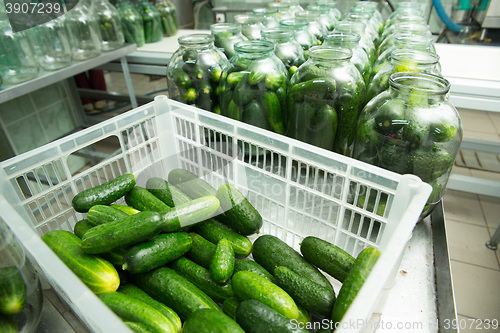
200	277
103	194
241	215
12	291
132	230
222	264
133	310
98	274
304	315
273	109
8	325
190	213
100	214
355	279
252	266
214	231
256	317
174	290
133	291
126	209
230	305
327	257
306	293
137	327
115	256
156	252
210	321
82	227
166	192
143	200
248	285
201	251
271	252
189	183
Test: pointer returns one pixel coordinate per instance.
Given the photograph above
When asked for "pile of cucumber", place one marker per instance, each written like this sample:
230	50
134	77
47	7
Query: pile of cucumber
176	258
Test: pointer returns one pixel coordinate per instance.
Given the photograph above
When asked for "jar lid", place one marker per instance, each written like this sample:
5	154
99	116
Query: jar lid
419	82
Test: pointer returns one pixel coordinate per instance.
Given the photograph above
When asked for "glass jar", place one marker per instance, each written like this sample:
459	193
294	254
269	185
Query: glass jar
285	10
315	25
168	14
50	44
406	14
132	24
359	57
370	28
323	16
324	99
331	6
226	35
17	62
109	23
253	86
387	41
358	27
83	31
268	17
250	25
151	19
404	41
19	283
403	60
302	34
402	6
372	8
412	128
286	48
194	71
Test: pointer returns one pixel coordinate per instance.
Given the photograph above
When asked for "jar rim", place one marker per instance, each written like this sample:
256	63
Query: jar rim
254	46
224	26
277	33
343	36
295	22
264	10
418	56
246	19
195	39
420	82
414	38
324	52
350	26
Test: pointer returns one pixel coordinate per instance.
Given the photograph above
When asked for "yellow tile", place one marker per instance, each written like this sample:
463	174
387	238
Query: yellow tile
463	207
476	290
466	243
491	210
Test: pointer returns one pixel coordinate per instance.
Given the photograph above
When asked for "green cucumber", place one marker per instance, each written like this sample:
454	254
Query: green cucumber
241	215
100	214
166	192
126	209
256	317
82	227
133	310
306	293
273	109
252	266
200	277
156	252
314	90
222	264
230	305
210	321
8	325
143	200
12	291
137	327
174	290
189	183
214	231
201	251
132	230
304	315
190	213
98	274
137	293
327	257
271	252
248	285
355	279
103	194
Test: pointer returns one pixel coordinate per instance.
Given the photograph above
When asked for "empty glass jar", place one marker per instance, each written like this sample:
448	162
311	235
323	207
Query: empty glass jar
412	128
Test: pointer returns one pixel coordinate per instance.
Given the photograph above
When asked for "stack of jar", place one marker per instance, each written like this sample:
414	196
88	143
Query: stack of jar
358	84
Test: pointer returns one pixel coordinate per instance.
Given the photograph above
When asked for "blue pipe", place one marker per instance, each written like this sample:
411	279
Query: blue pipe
445	18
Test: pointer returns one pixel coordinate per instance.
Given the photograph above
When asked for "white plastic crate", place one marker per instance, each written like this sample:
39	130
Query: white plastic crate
299	189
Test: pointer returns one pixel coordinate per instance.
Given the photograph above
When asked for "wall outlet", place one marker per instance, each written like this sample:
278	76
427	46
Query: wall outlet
220	17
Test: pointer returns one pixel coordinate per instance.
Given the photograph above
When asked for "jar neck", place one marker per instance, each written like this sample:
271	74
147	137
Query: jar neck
254	49
329	55
351	26
414	59
247	19
233	28
419	83
196	41
348	40
278	35
295	24
412	41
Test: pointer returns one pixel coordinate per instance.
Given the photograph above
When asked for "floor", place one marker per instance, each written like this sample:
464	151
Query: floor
470	219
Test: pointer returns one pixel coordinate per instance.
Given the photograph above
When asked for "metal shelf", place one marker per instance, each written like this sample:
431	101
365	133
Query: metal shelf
46	78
